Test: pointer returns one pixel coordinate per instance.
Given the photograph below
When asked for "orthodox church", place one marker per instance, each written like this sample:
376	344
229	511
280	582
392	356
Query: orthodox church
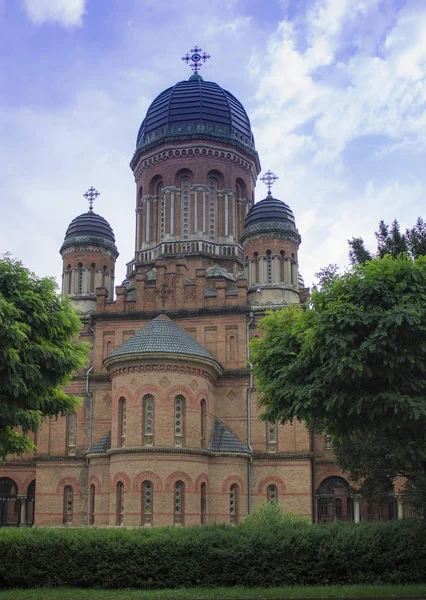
168	432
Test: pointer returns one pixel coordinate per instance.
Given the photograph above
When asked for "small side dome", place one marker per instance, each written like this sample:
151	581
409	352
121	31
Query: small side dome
90	228
270	209
92	224
270	216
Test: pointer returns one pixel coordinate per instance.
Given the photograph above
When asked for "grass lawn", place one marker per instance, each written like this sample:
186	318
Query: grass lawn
236	593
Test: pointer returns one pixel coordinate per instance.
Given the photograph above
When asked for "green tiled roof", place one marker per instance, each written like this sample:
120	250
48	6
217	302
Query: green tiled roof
161	335
102	446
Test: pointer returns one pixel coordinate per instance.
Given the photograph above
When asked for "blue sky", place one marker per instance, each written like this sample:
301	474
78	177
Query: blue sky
335	90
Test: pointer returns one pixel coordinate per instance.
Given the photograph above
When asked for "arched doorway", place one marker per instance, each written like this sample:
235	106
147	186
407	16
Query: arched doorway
334	501
30	504
10	504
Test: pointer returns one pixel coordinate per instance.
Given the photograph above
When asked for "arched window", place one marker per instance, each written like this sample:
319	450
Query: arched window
122	417
68	505
69	281
203	503
232	348
108	349
71	429
10	505
282	268
147	503
104	274
233	504
256	268
272	493
92	498
212	208
179	417
269	266
334	500
178	506
30	504
186	200
120	503
148	419
92	277
271	437
203	423
80	278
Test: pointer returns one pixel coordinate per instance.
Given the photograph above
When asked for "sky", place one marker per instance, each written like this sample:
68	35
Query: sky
335	91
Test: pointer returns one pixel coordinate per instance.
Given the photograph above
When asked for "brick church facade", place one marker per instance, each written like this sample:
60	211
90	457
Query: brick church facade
168	430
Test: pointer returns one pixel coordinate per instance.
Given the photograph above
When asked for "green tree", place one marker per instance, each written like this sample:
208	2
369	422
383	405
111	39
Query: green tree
353	364
39	350
391	241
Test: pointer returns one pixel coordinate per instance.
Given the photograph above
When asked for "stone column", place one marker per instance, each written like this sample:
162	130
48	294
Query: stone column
98	278
294	273
22	518
357	512
276	268
86	281
226	229
74	281
195	229
287	270
204	211
138	228
147	220
172	213
400	507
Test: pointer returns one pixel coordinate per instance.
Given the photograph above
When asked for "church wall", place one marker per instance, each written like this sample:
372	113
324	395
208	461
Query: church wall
292	479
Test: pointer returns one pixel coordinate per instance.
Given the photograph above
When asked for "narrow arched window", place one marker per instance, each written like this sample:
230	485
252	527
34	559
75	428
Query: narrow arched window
203	423
178	503
122	417
203	503
92	498
272	493
233	504
92	277
179	417
148	420
68	505
69	280
269	266
282	263
120	503
186	200
147	503
71	429
104	276
271	437
212	208
256	268
80	278
232	348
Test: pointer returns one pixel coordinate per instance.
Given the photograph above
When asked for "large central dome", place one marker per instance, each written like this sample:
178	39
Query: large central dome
193	108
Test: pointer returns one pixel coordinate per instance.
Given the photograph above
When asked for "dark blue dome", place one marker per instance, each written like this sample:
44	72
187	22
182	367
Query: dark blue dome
270	209
193	108
90	224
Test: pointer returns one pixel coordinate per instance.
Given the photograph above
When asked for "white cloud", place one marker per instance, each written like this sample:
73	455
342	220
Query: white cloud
68	13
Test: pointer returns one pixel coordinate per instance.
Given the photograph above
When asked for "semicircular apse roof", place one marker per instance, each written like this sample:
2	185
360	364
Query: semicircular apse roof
195	107
161	336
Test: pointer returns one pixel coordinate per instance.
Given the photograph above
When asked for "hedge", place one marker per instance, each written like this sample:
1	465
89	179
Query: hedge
392	552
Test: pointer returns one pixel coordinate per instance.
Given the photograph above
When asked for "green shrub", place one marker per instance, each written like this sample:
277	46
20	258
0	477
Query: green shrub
251	555
272	514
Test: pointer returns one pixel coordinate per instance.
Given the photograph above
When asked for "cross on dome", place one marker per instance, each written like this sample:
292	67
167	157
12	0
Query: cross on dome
91	195
194	58
269	179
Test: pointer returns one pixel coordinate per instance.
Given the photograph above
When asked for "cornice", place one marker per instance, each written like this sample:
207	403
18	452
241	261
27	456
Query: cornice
267	229
172	450
282	456
163	363
88	243
172	151
175	314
